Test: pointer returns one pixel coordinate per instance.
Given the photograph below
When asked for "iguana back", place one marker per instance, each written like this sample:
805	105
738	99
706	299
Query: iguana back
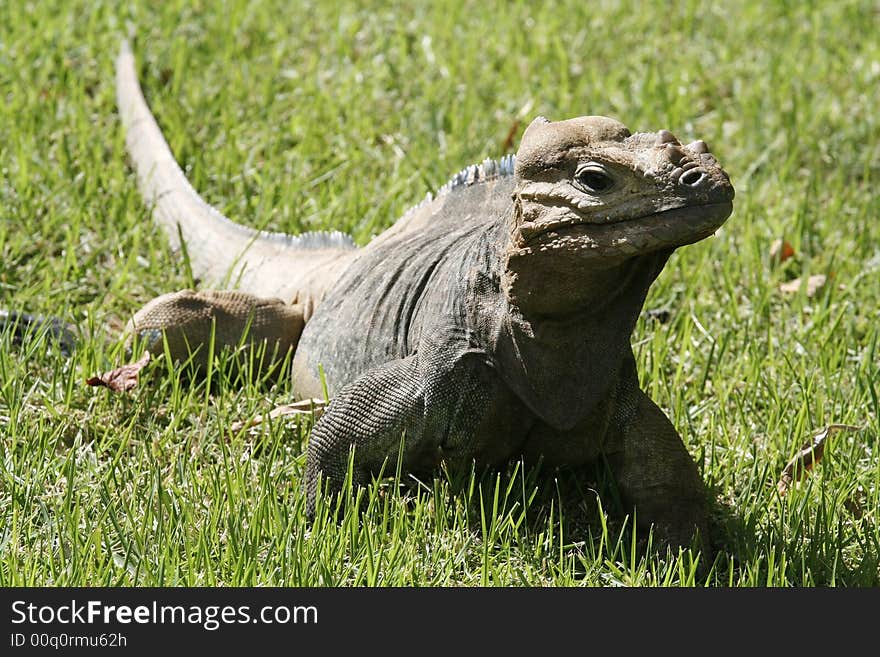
412	275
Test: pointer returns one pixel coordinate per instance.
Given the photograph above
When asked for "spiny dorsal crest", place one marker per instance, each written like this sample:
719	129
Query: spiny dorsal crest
488	169
319	239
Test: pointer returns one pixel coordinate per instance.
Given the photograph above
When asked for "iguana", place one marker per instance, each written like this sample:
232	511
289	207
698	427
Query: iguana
492	321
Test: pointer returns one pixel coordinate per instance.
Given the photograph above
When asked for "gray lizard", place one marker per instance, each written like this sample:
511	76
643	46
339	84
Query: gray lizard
491	322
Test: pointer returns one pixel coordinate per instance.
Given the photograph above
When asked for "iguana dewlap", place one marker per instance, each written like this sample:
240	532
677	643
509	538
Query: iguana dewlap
491	322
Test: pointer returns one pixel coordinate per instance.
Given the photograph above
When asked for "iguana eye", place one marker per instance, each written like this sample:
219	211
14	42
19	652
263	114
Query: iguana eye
593	178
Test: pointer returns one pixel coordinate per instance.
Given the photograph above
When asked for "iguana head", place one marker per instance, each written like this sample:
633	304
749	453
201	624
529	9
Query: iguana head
590	196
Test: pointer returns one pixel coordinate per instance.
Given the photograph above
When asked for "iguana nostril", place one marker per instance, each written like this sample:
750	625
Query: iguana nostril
692	177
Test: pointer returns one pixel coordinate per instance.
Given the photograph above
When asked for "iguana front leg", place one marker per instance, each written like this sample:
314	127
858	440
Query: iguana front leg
431	400
656	475
187	319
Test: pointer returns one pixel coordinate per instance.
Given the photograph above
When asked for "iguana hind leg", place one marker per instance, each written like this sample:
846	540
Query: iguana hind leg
189	320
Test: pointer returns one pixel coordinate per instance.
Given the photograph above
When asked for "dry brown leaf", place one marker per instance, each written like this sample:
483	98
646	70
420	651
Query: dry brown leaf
781	250
509	140
810	453
814	283
304	407
122	379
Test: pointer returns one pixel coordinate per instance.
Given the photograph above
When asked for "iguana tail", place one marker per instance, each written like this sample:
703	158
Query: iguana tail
221	252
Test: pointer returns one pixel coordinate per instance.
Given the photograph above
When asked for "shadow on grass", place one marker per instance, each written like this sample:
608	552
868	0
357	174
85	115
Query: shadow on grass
584	505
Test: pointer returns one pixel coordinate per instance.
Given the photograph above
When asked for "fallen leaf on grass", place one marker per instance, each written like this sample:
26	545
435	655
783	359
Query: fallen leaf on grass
814	283
810	453
122	379
304	407
781	250
511	136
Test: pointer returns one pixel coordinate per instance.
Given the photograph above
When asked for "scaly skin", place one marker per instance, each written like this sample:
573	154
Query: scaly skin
489	323
488	336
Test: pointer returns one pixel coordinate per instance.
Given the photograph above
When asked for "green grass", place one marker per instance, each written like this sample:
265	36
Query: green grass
305	116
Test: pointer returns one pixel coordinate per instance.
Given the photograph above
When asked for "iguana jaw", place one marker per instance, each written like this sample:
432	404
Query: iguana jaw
669	228
567	269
